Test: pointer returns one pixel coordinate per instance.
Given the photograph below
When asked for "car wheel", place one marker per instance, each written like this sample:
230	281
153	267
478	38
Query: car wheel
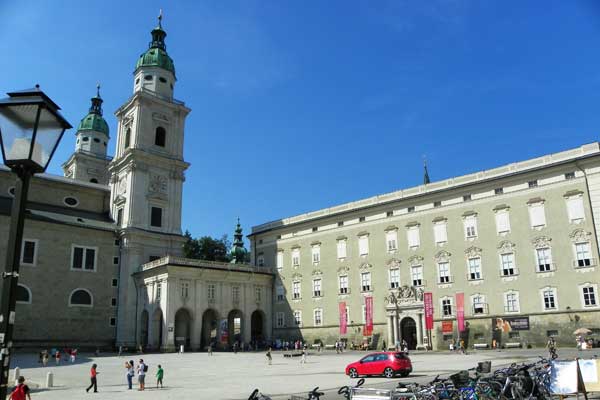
353	373
405	373
388	372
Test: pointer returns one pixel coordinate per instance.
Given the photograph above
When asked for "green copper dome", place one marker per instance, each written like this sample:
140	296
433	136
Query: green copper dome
156	55
94	120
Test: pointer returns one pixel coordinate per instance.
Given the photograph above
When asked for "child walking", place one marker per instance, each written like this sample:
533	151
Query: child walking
159	376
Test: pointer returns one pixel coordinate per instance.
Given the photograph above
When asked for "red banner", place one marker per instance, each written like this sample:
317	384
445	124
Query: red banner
460	311
343	318
447	327
428	304
368	316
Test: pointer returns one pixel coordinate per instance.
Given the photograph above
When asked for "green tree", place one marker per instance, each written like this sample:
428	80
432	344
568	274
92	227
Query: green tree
191	248
207	248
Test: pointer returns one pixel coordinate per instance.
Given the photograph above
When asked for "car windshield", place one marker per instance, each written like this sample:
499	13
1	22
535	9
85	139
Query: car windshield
400	356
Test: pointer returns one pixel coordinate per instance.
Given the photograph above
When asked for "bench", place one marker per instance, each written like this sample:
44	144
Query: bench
513	345
330	346
481	346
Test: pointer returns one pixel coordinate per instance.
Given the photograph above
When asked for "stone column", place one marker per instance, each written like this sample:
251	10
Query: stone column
395	325
419	330
390	332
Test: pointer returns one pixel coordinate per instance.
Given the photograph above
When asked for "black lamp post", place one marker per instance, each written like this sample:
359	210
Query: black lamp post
30	129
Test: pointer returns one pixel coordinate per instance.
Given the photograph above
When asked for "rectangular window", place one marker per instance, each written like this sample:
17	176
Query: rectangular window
474	268
511	302
570	175
279	261
532	184
119	217
470	226
417	275
185	289
113	302
156	217
389	214
341	249
260	260
112	321
498	191
549	296
467	197
116	260
575	209
298	317
502	222
589	296
584	258
29	252
316	254
158	290
361	219
114	282
413	237
410	209
343	280
537	216
280	293
447	307
296	257
84	258
479	306
439	232
235	293
211	292
544	257
391	240
280	319
318	313
363	245
508	264
316	287
296	290
365	281
444	272
394	278
437	204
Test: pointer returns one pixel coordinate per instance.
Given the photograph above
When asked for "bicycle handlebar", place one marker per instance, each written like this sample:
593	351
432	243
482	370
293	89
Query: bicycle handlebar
254	394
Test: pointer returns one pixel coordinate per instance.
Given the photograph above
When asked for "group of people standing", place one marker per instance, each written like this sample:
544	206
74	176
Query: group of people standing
44	356
131	370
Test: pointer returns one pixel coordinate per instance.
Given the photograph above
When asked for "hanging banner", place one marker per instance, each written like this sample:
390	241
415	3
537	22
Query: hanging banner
447	327
428	304
224	330
460	311
343	318
368	316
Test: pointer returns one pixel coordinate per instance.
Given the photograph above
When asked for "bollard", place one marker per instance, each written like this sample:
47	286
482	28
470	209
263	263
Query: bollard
17	374
49	380
181	349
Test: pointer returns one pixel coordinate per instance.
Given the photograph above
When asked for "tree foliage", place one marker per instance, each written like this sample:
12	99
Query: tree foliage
207	248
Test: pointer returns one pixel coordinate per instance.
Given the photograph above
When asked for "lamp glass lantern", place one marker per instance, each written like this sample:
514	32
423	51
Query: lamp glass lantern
30	129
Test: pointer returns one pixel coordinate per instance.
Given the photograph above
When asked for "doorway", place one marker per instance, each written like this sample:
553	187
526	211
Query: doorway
408	328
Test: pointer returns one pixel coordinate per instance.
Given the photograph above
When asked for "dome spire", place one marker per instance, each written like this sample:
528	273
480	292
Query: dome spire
238	252
426	179
96	107
158	34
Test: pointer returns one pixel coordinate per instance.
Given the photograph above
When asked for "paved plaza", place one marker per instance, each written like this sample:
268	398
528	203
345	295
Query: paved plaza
234	376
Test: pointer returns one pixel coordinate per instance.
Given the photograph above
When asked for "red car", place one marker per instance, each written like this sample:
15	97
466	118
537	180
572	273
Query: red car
386	363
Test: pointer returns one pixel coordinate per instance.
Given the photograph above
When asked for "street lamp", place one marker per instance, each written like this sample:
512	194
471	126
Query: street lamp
30	129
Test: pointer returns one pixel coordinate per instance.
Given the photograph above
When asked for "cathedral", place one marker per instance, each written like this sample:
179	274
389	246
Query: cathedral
101	259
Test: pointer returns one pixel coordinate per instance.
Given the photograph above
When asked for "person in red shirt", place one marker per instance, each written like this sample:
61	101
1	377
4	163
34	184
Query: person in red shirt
94	382
21	392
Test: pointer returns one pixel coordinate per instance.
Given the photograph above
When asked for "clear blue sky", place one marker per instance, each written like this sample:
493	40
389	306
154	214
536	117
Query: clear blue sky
300	105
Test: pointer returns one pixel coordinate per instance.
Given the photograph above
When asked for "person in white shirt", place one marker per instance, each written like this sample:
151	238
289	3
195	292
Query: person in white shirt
141	370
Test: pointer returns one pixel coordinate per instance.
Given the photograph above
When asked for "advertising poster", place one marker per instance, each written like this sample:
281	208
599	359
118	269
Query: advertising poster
224	331
343	318
460	311
428	304
368	316
447	327
563	377
590	372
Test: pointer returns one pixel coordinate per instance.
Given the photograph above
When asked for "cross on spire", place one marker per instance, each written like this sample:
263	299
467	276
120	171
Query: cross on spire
426	179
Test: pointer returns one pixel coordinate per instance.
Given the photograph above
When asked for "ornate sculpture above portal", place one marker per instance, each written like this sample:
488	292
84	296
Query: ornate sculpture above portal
317	272
442	256
579	235
473	252
393	263
506	246
405	294
415	260
343	270
365	266
541	242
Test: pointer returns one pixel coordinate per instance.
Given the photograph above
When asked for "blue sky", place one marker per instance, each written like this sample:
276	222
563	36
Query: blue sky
300	105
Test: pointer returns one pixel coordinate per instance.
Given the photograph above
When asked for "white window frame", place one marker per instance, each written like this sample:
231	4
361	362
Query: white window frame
317	286
440	232
36	243
343	279
479	299
316	254
211	291
417	279
296	294
298	318
576	215
532	215
184	286
280	260
366	284
394	278
342	249
447	302
85	248
513	305
235	294
548	264
504	266
444	266
280	319
470	226
258	294
594	288
500	214
543	292
279	293
587	251
260	260
295	257
413	236
81	305
30	296
475	274
363	245
391	241
319	321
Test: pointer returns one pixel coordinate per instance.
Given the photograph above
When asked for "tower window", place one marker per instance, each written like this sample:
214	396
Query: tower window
86	139
163	80
160	137
96	140
137	81
94	180
127	137
148	77
156	217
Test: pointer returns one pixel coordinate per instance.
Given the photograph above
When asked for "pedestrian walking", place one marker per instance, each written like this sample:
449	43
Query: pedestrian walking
21	391
551	345
383	346
142	368
209	349
303	357
235	347
130	374
45	358
93	380
159	376
57	357
269	357
463	349
73	355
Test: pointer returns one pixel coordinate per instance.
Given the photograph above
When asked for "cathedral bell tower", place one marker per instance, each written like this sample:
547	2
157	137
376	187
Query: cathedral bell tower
147	174
89	162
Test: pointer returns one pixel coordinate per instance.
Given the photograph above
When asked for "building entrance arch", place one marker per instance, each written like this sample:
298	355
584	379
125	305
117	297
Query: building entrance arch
156	330
257	327
408	329
144	325
235	327
209	328
183	327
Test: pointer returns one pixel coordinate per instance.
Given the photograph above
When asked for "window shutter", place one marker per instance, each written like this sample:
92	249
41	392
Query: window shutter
439	231
502	221
575	209
341	249
363	245
537	216
413	237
